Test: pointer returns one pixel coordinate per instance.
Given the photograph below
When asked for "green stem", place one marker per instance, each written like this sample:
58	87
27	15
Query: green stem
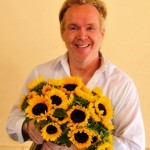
35	146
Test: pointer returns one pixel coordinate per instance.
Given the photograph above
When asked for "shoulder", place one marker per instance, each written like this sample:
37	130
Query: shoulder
49	64
117	79
115	72
120	86
46	69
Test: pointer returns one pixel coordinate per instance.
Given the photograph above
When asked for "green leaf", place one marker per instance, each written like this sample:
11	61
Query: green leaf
45	122
38	88
91	148
25	104
64	140
27	119
79	101
59	113
36	123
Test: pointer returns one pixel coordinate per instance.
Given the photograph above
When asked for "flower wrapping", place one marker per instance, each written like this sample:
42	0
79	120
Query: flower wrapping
69	113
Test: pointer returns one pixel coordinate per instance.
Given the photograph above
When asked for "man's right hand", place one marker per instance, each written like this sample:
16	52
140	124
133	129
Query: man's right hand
33	132
51	146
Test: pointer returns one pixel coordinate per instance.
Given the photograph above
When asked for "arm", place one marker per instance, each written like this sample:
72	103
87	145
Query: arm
15	124
129	131
20	131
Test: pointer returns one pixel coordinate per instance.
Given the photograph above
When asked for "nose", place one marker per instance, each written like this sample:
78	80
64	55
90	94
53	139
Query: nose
82	35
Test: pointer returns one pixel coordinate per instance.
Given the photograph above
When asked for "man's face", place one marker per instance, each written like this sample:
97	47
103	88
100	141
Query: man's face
82	32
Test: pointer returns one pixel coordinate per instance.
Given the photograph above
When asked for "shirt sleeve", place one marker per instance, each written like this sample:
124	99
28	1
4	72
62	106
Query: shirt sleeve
14	124
16	116
129	131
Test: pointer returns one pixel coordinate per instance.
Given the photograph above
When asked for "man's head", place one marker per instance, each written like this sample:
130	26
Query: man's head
98	4
82	28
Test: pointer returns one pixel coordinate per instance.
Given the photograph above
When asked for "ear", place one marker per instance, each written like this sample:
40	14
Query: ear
103	32
62	33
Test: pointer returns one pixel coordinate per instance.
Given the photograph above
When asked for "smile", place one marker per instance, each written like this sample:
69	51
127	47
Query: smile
82	46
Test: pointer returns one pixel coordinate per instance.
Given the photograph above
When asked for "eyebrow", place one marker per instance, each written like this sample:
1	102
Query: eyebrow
73	24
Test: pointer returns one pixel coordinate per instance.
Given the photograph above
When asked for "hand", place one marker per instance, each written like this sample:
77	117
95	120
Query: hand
52	146
33	132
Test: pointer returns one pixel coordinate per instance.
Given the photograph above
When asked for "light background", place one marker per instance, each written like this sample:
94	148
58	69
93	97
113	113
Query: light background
29	35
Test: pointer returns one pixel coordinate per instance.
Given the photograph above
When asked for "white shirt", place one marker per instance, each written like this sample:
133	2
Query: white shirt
129	131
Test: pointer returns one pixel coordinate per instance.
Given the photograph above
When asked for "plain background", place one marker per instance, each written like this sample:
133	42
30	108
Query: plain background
29	35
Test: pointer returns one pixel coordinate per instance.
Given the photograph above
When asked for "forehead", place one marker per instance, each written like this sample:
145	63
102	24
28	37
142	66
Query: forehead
81	13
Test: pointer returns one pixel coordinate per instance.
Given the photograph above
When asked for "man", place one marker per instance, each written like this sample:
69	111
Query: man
82	25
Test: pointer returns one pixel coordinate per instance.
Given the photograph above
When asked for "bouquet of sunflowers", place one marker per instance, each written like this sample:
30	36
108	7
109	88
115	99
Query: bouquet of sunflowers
69	113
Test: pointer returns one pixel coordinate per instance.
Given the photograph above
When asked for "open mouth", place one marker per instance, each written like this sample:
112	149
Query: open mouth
82	46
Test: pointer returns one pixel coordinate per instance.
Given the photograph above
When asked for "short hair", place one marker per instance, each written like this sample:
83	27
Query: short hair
98	4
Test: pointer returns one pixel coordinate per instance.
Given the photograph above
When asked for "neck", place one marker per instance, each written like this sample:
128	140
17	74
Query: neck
84	70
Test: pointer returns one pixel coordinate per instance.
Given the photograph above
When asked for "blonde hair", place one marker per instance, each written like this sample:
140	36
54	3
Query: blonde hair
98	4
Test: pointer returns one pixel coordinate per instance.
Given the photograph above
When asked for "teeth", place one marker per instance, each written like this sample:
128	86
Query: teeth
82	46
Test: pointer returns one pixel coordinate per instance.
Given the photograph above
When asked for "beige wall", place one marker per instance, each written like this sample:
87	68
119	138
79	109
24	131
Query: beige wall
29	35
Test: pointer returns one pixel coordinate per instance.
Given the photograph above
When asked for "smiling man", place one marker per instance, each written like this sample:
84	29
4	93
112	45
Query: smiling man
82	26
82	31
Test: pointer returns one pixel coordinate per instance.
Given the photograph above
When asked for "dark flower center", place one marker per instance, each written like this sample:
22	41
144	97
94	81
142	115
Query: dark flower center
56	100
81	137
70	87
94	139
39	109
101	107
51	129
78	116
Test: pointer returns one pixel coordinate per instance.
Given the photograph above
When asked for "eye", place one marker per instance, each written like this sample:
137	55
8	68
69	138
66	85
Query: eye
91	28
72	28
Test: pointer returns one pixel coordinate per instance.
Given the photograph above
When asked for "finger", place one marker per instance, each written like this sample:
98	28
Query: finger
53	146
37	139
46	147
35	133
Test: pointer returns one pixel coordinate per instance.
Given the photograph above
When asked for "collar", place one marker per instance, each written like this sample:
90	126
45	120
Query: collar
64	62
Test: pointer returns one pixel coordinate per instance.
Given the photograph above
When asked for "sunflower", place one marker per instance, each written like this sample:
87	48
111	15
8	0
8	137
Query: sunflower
58	115
110	137
86	90
81	137
103	108
35	83
21	102
69	85
86	96
95	137
110	147
97	91
55	82
51	132
77	116
46	88
104	146
57	98
93	113
70	99
38	108
108	124
32	94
